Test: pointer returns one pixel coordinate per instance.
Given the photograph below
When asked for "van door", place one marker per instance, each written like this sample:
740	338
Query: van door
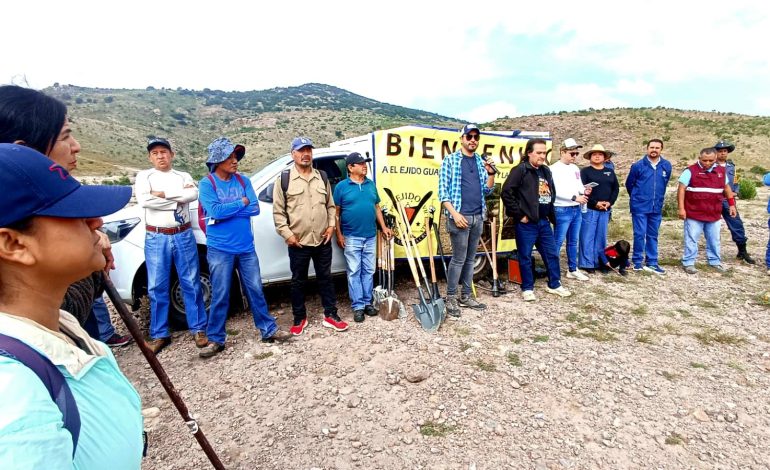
271	247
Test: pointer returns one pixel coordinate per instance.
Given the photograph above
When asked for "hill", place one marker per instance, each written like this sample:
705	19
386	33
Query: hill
627	130
113	125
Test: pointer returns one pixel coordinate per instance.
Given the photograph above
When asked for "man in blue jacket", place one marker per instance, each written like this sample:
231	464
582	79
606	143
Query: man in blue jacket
646	186
735	224
229	202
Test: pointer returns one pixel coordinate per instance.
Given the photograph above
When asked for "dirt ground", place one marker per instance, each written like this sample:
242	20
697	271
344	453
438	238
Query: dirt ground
636	372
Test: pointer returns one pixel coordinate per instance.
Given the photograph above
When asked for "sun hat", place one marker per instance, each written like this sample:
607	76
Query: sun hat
597	148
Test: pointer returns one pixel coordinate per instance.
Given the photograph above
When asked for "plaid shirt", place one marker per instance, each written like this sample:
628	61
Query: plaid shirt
450	180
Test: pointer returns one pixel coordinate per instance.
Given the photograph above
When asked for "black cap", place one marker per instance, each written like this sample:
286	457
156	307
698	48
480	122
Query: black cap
158	141
356	157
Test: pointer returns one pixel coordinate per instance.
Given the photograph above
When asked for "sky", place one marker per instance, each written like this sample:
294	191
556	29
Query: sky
476	61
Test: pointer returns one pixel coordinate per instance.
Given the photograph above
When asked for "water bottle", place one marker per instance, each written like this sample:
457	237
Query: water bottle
583	208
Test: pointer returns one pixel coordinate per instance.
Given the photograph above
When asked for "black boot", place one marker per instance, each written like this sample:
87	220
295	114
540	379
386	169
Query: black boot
744	255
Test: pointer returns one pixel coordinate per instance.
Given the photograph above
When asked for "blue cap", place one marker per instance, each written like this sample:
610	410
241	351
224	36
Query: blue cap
34	185
469	127
766	180
154	141
300	142
221	149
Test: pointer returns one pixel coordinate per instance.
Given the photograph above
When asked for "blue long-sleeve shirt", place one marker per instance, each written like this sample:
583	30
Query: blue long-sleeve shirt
228	219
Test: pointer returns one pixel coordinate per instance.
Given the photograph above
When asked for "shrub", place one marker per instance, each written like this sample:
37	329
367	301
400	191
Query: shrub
670	207
758	170
747	190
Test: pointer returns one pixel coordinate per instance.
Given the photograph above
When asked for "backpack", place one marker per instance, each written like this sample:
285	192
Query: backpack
52	379
285	186
202	211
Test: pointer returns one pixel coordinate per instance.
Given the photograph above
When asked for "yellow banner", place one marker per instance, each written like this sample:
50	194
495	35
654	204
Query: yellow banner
406	168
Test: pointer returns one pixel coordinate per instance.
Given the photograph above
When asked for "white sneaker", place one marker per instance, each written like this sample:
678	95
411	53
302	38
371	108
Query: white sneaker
577	274
560	291
528	296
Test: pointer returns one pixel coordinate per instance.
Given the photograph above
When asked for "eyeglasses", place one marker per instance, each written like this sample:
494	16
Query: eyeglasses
475	137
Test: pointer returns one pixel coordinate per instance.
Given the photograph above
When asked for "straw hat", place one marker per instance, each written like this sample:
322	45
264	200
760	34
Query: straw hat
596	148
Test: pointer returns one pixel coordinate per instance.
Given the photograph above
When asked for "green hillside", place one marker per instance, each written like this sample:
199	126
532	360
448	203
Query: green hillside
113	125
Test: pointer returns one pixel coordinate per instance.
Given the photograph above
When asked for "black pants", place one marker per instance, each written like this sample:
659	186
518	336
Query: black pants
299	259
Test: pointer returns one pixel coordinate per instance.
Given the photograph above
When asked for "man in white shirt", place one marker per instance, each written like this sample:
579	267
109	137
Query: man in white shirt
570	194
165	194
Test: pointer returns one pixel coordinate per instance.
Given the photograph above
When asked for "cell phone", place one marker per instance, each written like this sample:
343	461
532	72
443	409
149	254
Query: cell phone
592	184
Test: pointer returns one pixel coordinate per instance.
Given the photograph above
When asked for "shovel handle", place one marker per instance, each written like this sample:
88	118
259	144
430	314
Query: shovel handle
494	247
430	250
408	251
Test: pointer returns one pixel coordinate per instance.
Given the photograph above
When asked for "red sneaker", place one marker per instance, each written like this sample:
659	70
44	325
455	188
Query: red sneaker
297	330
334	322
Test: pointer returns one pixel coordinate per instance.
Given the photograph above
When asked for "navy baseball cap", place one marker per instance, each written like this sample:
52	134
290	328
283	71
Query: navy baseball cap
301	142
36	186
153	141
356	157
468	128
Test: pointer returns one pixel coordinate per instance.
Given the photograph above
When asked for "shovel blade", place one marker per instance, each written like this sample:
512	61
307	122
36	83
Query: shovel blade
429	314
378	296
389	309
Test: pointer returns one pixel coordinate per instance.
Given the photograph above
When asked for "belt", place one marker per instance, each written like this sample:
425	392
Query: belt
168	230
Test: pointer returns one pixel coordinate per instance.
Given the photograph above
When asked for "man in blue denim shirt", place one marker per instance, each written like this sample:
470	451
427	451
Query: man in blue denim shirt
464	179
229	201
358	214
735	224
767	253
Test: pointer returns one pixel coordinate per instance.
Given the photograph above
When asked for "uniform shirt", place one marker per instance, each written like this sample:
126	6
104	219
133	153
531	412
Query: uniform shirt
356	202
31	428
228	219
685	177
306	211
173	210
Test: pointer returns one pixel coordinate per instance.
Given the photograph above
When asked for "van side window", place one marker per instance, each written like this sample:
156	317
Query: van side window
266	195
334	167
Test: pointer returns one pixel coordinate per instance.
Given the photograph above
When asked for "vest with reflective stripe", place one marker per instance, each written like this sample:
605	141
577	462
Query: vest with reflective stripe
703	197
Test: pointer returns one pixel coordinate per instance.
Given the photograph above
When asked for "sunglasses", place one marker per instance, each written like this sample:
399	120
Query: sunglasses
475	137
574	154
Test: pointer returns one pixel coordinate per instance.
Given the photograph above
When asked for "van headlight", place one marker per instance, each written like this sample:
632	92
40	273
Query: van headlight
119	229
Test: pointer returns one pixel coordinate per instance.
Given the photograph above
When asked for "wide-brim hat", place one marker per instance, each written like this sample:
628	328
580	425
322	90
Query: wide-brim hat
723	144
34	185
221	149
596	148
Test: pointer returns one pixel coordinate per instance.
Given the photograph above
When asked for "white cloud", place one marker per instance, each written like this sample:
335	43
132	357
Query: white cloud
585	95
635	87
490	111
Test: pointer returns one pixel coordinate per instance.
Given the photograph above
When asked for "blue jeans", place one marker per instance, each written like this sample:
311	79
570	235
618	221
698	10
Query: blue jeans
221	266
102	315
646	227
537	234
568	222
159	252
465	242
692	233
767	253
593	238
734	224
359	256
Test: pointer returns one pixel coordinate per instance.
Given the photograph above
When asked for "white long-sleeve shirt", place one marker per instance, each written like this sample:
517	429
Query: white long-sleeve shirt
172	210
566	179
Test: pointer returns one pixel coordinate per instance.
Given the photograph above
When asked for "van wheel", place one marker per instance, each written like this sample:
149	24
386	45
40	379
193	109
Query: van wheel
481	268
176	316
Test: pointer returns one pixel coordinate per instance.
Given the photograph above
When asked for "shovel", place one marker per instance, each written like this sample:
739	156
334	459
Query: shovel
379	293
434	286
497	289
391	307
431	211
431	313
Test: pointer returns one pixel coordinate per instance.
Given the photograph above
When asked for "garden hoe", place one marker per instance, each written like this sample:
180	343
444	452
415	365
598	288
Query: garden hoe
390	308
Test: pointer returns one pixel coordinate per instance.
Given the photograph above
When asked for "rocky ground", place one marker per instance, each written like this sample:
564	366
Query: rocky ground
635	372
